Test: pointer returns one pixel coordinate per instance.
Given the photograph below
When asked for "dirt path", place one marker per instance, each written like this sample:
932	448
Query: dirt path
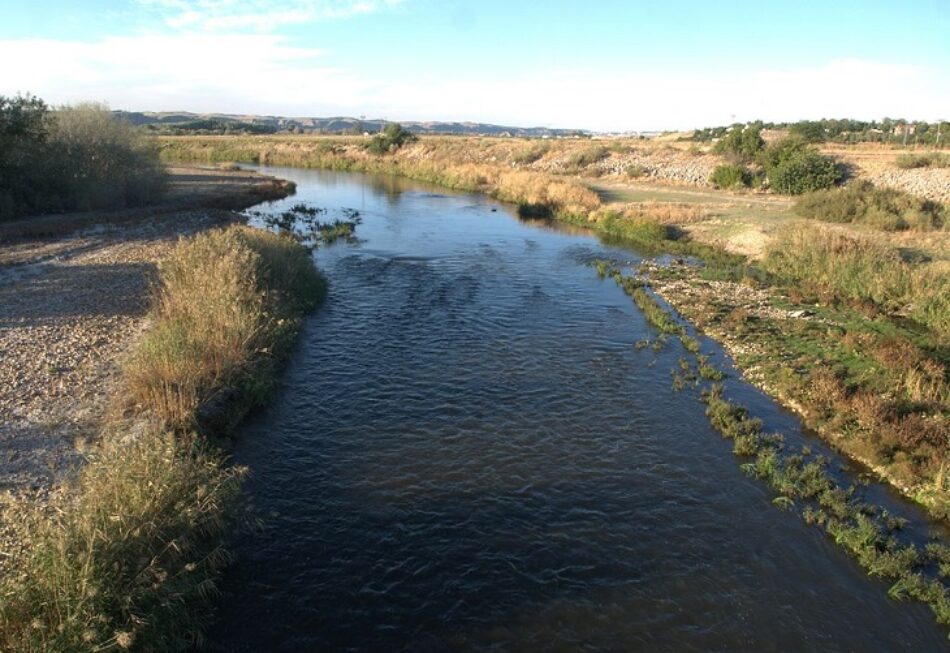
71	306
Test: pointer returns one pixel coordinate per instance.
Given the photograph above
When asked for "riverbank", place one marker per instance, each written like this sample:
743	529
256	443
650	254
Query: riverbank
888	404
74	291
126	549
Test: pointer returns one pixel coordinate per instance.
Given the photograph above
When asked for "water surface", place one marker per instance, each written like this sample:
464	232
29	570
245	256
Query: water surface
468	453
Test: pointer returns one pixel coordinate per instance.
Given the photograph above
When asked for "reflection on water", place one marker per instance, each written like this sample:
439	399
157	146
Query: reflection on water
469	454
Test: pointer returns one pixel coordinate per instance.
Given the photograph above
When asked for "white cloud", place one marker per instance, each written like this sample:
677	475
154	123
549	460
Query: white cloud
264	73
260	15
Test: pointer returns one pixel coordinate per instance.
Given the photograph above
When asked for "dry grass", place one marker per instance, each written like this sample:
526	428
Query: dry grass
122	558
125	555
247	282
863	269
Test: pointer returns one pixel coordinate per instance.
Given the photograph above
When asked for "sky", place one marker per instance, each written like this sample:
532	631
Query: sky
604	65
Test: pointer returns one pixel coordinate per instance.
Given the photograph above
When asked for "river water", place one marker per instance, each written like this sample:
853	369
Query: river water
468	453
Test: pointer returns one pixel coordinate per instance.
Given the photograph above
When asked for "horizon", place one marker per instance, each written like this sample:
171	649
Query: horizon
610	67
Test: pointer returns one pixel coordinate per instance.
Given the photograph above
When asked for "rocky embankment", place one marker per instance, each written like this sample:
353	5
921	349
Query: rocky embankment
667	165
72	304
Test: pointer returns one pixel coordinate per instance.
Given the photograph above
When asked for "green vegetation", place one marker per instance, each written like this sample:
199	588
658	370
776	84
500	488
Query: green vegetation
587	157
801	480
252	286
74	158
125	556
923	160
390	140
887	130
793	167
532	154
729	176
882	208
741	143
843	266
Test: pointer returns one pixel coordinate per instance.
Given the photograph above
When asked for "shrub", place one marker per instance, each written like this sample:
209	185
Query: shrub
729	175
635	171
392	138
531	154
76	158
741	143
587	156
793	167
883	208
923	160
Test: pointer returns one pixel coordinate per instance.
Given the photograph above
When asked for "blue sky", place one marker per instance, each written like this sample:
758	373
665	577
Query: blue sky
597	64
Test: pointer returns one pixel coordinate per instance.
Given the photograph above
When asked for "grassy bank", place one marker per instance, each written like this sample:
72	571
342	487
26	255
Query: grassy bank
125	555
801	479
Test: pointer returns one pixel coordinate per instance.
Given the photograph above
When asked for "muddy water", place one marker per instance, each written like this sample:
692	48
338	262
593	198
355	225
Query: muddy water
468	453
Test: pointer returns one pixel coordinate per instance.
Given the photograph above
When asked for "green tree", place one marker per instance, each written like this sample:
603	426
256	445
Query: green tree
391	139
741	143
794	167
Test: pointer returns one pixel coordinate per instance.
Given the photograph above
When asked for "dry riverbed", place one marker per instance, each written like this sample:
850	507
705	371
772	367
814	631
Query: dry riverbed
74	290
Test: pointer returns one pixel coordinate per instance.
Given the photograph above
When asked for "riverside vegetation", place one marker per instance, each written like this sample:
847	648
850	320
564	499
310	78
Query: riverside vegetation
880	350
125	554
71	159
801	479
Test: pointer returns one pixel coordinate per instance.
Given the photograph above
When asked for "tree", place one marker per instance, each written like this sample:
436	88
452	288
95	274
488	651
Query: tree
741	143
24	129
391	139
794	167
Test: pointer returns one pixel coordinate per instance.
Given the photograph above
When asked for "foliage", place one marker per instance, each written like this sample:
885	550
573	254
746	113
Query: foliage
729	176
251	285
923	160
882	208
793	167
741	143
587	156
391	139
861	269
75	158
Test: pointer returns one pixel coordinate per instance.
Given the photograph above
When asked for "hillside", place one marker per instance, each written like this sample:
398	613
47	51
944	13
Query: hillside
184	121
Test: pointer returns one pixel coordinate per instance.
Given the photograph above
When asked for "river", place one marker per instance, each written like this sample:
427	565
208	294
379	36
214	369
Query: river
467	452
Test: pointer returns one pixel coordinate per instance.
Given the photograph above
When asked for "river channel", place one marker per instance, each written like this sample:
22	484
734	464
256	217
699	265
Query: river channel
467	453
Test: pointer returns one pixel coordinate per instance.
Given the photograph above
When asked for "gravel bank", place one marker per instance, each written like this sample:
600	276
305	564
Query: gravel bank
71	307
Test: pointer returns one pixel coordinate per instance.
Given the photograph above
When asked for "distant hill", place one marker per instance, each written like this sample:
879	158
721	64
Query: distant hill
185	122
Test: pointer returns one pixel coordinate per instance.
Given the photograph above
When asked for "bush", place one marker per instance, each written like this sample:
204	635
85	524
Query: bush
741	143
729	175
392	138
882	208
923	160
75	158
588	156
531	154
793	167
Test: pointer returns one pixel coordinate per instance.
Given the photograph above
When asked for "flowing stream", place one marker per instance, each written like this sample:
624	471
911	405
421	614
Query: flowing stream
467	452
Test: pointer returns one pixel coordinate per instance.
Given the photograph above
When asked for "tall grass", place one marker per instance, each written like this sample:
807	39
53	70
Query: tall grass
125	555
923	160
251	285
863	269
